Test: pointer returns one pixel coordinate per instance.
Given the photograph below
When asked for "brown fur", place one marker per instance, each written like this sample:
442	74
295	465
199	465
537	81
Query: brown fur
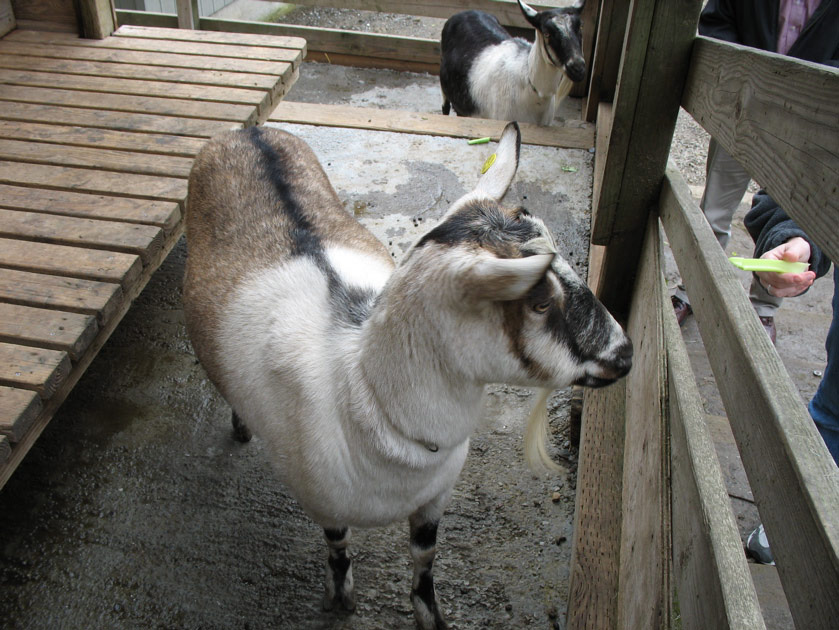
236	225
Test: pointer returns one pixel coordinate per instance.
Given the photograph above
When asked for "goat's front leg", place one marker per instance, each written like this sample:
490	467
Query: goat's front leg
339	583
423	549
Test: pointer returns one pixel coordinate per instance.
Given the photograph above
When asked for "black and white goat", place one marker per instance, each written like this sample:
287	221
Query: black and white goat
486	73
366	380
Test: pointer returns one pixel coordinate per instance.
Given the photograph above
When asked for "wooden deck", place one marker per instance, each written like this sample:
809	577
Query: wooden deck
96	141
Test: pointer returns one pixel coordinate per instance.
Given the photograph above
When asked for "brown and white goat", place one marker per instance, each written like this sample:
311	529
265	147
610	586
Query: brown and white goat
366	380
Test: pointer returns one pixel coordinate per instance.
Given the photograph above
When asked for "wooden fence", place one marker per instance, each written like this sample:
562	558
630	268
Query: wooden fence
653	523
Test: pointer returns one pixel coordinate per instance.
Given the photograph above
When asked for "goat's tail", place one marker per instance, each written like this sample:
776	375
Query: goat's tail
536	436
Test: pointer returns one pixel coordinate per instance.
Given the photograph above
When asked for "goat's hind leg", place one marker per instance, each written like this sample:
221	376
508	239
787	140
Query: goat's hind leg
340	589
423	551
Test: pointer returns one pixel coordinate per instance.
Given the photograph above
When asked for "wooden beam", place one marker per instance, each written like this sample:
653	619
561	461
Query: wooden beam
606	58
188	15
595	556
573	136
778	117
711	578
644	593
657	47
97	18
790	471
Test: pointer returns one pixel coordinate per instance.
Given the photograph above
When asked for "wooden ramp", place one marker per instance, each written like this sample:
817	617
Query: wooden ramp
96	141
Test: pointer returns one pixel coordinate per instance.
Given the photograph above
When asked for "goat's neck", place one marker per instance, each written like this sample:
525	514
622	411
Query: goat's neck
544	77
418	391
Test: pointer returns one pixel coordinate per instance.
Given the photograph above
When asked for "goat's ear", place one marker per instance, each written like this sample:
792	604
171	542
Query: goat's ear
506	278
495	182
530	14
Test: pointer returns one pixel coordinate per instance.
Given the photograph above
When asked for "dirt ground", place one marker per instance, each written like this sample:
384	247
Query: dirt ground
136	509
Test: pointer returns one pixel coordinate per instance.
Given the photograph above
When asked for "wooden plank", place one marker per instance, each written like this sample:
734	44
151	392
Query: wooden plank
777	116
51	405
165	214
790	471
7	17
359	61
73	262
244	114
607	54
245	40
47	11
331	41
101	159
18	409
151	73
43	328
5	449
122	121
593	586
571	135
164	44
644	594
99	299
656	52
96	18
35	369
66	135
118	56
90	181
136	87
143	240
710	575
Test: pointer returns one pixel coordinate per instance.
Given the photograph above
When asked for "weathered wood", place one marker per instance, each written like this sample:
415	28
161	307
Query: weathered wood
73	262
120	56
507	11
359	61
166	214
96	18
5	449
122	121
164	43
606	59
90	181
159	144
331	41
18	410
35	369
572	135
244	114
195	76
244	41
111	85
46	13
142	240
643	597
711	579
7	17
778	117
644	120
74	295
593	583
789	468
187	11
43	328
95	158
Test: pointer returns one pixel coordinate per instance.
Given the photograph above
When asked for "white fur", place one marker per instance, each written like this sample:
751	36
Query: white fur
508	84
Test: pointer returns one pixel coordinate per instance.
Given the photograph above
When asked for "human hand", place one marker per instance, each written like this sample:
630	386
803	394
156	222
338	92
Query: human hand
796	249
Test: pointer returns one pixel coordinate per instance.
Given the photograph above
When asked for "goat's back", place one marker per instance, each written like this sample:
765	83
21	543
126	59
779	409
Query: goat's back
257	198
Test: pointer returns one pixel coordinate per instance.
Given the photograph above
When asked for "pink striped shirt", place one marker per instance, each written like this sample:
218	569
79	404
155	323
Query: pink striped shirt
792	16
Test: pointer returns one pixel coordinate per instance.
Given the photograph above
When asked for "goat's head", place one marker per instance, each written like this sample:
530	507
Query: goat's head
561	35
521	313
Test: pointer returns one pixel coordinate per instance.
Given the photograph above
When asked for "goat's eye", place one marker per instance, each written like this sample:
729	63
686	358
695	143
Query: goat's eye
542	307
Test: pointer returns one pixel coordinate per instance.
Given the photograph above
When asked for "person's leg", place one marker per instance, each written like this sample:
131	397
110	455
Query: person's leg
725	184
824	408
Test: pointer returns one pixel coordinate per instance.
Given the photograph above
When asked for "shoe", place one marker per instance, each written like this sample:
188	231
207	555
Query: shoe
681	308
757	547
769	327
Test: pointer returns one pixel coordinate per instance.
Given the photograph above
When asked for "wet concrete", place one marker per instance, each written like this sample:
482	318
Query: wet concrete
137	509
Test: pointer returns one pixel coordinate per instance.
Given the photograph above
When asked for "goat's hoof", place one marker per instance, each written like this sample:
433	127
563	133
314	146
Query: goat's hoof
339	601
427	614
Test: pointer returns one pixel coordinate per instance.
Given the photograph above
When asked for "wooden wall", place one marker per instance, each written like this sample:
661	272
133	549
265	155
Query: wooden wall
53	15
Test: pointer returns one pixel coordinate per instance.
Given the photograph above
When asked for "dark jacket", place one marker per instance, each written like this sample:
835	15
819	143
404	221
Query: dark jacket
770	226
755	23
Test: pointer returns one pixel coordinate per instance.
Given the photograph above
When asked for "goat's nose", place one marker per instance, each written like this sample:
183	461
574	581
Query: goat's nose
576	69
623	357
